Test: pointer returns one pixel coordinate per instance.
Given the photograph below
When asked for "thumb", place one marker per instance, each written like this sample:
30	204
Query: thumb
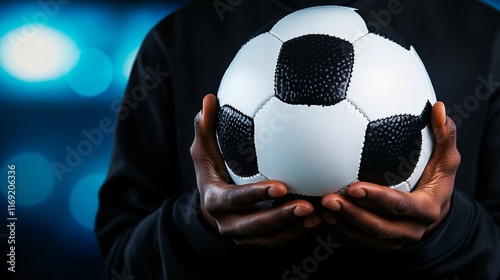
209	114
208	161
445	152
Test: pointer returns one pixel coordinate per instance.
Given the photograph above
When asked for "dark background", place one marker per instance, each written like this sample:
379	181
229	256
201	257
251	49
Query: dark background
57	128
63	68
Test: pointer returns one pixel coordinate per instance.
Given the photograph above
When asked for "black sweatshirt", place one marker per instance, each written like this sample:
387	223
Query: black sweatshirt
149	221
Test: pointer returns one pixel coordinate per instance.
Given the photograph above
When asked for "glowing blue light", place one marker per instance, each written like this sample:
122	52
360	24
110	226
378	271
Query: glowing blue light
35	53
93	73
129	61
494	3
84	199
34	178
137	25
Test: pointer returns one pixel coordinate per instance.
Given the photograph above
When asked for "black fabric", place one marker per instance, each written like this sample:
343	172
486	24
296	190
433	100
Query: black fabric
382	29
149	221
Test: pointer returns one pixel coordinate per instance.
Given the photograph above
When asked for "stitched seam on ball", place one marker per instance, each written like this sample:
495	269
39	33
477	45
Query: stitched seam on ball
357	109
351	79
260	108
305	195
276	36
407	185
360	37
364	138
391	41
247	177
422	68
265	177
254	130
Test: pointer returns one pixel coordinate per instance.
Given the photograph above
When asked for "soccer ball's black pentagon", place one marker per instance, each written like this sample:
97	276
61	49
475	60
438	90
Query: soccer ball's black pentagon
235	133
391	150
382	29
425	116
314	70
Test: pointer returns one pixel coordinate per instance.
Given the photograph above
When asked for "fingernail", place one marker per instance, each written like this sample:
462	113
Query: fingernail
311	222
360	193
335	205
300	211
275	192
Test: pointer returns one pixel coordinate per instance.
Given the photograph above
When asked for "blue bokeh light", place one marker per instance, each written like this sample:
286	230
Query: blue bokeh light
84	199
93	73
129	62
137	27
34	178
49	114
36	53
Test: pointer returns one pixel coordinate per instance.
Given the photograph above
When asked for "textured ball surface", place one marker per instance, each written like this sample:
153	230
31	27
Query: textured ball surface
322	98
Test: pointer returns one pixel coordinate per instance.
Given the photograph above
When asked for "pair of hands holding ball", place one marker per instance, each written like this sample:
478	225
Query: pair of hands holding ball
406	217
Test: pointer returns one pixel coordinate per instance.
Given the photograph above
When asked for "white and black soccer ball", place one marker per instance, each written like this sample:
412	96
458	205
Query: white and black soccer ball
322	98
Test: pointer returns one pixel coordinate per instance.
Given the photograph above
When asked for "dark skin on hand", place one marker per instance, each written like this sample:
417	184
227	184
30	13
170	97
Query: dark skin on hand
371	215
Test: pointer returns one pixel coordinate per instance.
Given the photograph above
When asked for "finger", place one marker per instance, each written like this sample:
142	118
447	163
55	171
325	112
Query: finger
377	226
445	154
439	121
265	221
274	239
209	163
209	114
206	118
391	201
417	205
228	198
343	227
438	178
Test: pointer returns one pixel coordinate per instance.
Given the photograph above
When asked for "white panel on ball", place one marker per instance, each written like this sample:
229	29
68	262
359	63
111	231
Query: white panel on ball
249	79
432	95
386	79
402	187
238	180
302	149
327	20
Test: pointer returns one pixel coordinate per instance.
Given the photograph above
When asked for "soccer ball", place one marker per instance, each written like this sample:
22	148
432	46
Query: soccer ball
322	98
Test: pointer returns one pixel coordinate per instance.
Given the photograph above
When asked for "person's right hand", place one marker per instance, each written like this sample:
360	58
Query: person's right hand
229	208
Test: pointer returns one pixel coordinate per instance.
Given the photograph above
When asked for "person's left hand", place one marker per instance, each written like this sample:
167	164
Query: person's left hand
404	217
